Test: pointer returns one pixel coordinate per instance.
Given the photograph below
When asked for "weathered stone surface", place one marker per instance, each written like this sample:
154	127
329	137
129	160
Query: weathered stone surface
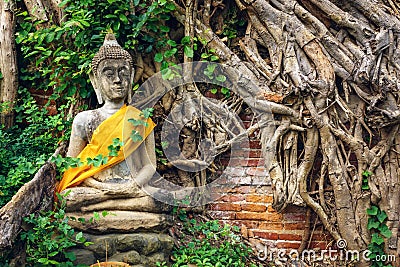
134	248
151	244
145	203
102	244
167	242
123	222
84	256
131	257
130	241
156	257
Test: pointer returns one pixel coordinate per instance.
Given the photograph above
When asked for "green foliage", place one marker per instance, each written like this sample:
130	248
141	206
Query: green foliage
25	147
50	237
147	112
365	175
209	243
135	136
377	225
231	25
115	147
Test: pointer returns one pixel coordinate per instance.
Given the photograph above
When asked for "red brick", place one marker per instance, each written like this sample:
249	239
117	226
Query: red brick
259	198
225	206
289	245
262	216
243	190
231	198
294	226
249	224
266	235
321	237
252	162
254	207
295	209
290	237
319	244
270	226
271	209
222	215
257	171
254	144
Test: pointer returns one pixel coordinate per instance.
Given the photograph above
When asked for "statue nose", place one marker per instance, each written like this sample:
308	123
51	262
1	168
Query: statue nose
117	79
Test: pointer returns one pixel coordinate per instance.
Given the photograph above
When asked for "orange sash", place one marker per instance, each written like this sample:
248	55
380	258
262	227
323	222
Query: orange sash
116	126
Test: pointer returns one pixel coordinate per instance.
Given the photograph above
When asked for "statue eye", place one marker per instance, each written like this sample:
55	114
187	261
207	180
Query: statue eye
108	73
124	72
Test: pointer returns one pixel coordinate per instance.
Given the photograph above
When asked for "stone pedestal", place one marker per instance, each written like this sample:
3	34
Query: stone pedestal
136	249
133	237
120	221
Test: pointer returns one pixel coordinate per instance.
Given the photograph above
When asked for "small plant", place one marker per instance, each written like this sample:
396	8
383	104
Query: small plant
377	225
365	176
208	243
50	237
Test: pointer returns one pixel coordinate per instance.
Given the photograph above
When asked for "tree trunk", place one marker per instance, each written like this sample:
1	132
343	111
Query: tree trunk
8	63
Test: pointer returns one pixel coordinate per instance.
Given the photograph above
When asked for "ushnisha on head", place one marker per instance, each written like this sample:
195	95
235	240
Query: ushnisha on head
112	71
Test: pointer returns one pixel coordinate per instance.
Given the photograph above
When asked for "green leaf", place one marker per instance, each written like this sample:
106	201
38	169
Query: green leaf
170	53
221	78
372	211
1	75
172	43
78	236
377	239
70	256
214	58
372	224
137	122
147	112
158	57
50	37
185	40
214	91
123	18
366	173
164	28
85	23
135	136
170	6
381	216
188	51
385	231
365	187
225	91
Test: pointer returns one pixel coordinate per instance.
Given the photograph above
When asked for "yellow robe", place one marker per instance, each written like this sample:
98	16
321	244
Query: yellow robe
116	126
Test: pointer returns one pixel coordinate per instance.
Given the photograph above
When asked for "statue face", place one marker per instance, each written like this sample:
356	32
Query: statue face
114	79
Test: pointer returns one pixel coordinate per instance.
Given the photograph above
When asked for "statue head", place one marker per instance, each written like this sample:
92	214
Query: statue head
112	71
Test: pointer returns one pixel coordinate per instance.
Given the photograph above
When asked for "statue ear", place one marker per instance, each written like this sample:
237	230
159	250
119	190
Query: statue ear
96	87
130	92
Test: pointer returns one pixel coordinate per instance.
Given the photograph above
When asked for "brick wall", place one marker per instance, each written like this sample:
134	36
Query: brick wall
247	203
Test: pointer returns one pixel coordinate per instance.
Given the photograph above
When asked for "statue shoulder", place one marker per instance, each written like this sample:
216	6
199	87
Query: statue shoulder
85	123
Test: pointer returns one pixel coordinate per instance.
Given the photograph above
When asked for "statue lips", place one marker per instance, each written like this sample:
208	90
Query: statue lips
119	91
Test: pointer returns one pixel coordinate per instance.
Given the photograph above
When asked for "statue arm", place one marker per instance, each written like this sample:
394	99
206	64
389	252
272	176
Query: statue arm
148	160
77	141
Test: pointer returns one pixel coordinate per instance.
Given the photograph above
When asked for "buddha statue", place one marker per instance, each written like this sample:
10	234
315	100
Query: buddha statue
120	185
